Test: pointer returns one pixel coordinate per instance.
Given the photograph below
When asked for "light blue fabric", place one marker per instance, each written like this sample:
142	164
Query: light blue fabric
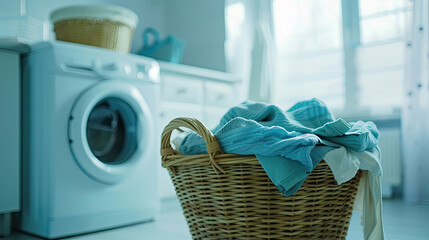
248	137
289	175
361	136
304	117
290	144
317	119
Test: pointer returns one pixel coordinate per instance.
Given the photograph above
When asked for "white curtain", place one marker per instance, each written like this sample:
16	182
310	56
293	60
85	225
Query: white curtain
415	114
263	55
249	47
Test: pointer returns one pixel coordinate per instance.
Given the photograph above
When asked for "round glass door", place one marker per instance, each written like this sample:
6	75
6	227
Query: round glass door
109	130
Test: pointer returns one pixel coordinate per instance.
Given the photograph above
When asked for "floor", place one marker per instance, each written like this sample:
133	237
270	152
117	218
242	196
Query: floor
401	221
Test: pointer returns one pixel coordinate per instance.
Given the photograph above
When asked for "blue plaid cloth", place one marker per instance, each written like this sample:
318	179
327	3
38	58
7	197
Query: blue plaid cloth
290	144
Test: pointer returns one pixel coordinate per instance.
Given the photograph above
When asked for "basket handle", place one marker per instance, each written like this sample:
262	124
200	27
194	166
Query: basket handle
193	124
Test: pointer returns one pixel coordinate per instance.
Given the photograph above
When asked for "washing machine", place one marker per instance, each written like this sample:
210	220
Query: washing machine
89	140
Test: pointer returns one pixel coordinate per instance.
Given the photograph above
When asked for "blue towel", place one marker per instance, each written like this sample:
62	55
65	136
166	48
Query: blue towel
318	119
248	137
290	144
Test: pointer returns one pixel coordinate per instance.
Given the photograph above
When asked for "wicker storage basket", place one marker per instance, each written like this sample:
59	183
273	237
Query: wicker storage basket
228	196
103	26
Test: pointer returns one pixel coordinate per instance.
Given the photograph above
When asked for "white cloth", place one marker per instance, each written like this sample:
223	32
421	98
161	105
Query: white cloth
344	164
176	139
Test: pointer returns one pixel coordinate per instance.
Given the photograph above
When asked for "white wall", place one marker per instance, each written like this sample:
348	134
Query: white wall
202	24
10	8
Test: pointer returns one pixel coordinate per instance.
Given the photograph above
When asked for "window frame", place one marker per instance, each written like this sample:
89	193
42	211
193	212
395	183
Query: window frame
351	37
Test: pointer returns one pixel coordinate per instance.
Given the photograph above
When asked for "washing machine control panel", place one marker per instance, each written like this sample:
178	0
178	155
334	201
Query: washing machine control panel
110	67
141	71
86	60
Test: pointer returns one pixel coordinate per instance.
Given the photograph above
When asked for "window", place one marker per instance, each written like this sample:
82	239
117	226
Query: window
383	20
308	36
350	54
380	55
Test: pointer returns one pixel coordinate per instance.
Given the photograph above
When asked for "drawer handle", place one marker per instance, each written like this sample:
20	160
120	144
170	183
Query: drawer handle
220	97
181	91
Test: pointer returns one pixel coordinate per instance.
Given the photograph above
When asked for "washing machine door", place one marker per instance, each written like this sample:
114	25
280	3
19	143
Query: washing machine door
110	128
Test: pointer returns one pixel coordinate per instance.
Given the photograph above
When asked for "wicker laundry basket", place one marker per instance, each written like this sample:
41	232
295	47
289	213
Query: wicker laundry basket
228	196
105	26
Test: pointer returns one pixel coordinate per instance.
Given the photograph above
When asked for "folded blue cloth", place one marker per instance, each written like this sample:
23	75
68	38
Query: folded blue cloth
290	144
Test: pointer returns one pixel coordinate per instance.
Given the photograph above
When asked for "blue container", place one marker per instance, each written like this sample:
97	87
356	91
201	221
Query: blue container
169	49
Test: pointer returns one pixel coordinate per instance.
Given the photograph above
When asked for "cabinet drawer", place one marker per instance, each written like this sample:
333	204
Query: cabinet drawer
179	88
170	111
220	94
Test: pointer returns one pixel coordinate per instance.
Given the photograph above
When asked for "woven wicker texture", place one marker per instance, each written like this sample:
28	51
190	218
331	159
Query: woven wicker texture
100	33
228	196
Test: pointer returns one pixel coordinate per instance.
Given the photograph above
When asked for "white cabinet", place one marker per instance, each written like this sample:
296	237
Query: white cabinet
10	131
178	88
188	91
219	94
9	137
193	92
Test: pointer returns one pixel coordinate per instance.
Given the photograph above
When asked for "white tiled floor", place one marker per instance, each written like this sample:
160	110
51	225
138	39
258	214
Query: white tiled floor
401	221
